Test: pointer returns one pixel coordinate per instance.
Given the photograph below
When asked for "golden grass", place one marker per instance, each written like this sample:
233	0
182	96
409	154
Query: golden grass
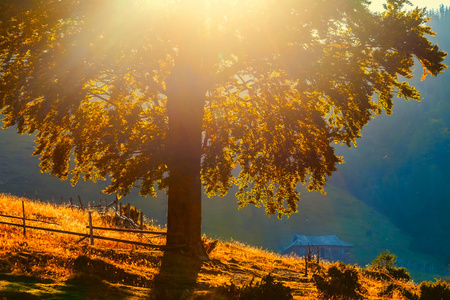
129	268
62	247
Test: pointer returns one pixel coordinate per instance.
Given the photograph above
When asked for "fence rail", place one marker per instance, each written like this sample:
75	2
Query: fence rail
129	230
90	234
45	229
21	218
428	268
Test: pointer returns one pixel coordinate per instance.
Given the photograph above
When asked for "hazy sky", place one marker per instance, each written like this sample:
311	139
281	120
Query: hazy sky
429	4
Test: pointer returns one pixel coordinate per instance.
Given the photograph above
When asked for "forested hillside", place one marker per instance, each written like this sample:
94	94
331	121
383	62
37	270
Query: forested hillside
401	165
20	173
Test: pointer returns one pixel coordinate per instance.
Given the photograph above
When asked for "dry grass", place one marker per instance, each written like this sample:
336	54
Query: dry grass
49	255
126	270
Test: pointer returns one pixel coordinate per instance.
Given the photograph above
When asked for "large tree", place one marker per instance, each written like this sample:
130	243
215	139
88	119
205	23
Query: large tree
173	94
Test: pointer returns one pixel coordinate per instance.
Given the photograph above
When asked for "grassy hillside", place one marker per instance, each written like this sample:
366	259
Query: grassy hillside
336	213
46	265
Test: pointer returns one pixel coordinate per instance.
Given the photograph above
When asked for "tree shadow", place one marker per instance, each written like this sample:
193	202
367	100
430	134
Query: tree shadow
177	277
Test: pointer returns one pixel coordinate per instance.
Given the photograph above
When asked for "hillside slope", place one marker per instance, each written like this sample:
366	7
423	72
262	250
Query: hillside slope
335	213
338	212
45	265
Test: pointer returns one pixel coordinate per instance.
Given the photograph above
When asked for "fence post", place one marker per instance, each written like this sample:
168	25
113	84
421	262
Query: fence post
318	256
117	203
142	220
90	229
81	203
120	208
128	210
23	213
306	266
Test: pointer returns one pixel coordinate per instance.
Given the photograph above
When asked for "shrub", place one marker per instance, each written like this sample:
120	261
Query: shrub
266	289
340	280
134	216
404	291
439	290
399	273
230	291
134	212
385	262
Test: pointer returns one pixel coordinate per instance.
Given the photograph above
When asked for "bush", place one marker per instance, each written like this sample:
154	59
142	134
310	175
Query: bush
385	261
134	216
399	273
340	280
134	212
439	290
266	289
405	292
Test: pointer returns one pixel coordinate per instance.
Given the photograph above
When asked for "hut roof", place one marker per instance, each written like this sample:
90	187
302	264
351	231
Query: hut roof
321	240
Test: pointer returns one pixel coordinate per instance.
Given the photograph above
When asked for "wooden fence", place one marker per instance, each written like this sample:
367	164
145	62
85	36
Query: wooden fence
424	267
91	228
102	207
102	204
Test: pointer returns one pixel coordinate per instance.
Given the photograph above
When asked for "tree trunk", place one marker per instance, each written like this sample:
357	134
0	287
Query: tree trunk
186	92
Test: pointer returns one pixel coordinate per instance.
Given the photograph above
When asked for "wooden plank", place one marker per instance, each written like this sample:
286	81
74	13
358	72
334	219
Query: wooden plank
128	230
46	229
23	212
81	203
21	218
13	217
139	243
90	229
161	247
129	242
111	204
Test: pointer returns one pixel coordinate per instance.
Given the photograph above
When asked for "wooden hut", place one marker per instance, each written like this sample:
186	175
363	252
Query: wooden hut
330	247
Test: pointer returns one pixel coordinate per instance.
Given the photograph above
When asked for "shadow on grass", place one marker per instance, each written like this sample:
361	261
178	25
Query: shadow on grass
17	286
177	278
21	287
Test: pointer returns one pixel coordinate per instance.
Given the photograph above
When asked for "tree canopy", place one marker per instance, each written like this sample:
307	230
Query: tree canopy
136	91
